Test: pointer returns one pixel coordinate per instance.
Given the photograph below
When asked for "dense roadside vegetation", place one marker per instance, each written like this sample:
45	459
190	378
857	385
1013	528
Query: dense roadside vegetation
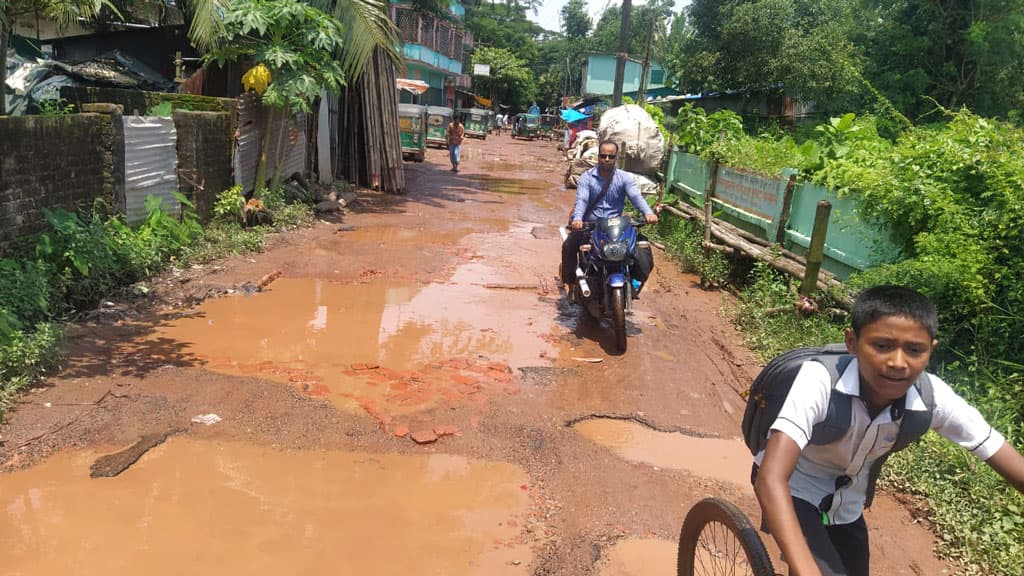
842	56
84	256
953	194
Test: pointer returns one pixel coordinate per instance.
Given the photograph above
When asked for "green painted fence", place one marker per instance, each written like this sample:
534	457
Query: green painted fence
755	203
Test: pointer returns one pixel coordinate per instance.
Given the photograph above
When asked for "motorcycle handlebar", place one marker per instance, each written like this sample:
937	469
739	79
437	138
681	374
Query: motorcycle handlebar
589	226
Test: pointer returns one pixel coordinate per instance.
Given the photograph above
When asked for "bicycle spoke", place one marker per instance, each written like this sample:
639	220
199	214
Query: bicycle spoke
720	553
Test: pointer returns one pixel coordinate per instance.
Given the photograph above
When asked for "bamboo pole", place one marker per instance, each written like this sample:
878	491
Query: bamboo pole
816	251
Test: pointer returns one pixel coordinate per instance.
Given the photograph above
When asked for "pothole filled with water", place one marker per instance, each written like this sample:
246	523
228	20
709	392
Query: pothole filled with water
192	507
386	347
725	459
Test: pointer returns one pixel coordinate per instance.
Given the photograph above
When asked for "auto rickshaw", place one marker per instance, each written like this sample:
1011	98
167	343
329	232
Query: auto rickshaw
438	118
548	122
412	129
475	122
526	126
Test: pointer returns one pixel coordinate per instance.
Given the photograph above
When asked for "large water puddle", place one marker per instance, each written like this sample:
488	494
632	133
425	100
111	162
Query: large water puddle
192	507
723	459
387	347
641	557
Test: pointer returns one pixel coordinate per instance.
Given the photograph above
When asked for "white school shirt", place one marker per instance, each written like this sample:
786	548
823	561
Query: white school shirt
819	465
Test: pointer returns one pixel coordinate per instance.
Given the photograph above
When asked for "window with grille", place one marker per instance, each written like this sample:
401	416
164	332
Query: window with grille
657	76
427	32
456	46
444	40
407	23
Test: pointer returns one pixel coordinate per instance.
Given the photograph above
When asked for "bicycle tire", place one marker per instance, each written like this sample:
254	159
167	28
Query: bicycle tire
717	539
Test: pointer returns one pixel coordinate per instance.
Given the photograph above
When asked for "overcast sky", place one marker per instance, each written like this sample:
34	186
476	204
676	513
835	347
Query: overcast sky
548	14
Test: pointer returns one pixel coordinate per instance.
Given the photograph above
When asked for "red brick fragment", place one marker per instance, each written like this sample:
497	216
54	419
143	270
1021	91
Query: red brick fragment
401	431
499	367
499	376
424	436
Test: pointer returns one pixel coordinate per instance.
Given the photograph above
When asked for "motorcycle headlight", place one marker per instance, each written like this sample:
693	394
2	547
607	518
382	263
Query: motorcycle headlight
614	251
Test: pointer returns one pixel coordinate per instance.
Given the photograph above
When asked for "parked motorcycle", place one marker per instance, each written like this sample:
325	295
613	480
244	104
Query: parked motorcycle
604	283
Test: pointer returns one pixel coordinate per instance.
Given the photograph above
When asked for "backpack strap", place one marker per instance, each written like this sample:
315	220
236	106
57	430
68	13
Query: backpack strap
913	425
840	406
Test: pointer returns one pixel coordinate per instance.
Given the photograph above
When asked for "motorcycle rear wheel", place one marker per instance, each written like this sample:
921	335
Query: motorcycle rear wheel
618	297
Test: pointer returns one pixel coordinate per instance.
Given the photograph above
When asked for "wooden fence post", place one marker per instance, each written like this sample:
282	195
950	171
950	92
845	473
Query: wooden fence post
787	201
816	251
709	193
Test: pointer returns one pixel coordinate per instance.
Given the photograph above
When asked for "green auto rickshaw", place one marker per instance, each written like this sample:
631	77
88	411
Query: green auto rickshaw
475	122
526	126
548	123
412	129
438	118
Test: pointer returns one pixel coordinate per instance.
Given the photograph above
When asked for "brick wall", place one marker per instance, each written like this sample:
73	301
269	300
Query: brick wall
205	141
138	102
50	162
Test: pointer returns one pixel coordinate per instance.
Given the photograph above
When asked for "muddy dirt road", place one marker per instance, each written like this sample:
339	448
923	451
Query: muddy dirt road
411	396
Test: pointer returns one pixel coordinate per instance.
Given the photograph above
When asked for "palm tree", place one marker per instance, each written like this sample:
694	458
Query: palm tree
367	25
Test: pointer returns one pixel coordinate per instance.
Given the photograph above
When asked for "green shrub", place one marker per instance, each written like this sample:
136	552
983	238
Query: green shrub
27	294
291	215
682	239
220	239
980	518
55	107
24	357
698	132
764	312
82	257
230	205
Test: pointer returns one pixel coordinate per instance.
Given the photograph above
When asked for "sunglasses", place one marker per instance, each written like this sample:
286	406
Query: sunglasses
607	156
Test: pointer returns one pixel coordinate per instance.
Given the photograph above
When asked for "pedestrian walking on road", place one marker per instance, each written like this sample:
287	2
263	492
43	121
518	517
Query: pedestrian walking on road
456	132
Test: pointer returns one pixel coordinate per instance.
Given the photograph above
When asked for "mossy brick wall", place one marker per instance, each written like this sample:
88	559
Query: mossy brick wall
52	162
205	141
137	102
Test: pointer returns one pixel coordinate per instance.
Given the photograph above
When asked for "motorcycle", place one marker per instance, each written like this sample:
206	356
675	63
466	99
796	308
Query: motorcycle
604	283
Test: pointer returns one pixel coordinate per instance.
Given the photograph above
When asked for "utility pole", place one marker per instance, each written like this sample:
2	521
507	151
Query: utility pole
641	94
620	57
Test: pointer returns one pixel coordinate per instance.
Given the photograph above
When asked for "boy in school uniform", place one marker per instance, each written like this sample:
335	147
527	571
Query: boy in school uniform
812	496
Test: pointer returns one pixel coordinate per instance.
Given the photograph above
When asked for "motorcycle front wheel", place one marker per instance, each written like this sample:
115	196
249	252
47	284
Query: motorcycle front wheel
618	298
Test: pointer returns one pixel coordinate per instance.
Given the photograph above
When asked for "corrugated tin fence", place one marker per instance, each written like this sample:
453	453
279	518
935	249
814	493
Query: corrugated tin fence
251	120
757	204
150	164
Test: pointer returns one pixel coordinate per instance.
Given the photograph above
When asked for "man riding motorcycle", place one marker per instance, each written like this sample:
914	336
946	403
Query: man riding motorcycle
601	193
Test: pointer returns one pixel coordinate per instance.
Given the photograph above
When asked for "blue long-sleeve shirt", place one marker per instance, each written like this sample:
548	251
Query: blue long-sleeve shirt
623	186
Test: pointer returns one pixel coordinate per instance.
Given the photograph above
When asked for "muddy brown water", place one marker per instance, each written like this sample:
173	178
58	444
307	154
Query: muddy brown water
384	346
725	459
230	508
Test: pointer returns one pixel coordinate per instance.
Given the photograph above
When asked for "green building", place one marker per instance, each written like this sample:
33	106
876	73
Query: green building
599	75
434	51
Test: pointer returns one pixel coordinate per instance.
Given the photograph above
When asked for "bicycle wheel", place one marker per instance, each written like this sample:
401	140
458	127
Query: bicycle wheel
718	540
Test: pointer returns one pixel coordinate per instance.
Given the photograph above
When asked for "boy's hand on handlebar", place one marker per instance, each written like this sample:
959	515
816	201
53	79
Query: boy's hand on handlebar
577	225
651	218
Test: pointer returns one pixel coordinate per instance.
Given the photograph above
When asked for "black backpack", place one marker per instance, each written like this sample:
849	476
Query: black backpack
772	385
